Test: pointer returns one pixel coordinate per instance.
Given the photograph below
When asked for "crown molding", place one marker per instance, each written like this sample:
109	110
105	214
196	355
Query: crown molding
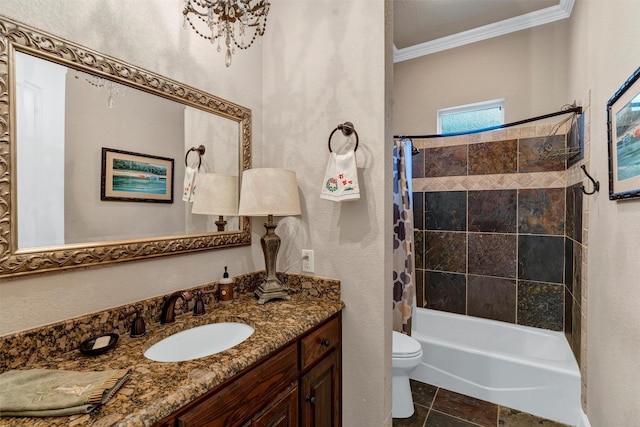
517	23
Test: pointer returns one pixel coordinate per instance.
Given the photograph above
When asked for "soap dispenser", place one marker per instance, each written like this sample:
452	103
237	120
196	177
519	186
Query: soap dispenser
225	288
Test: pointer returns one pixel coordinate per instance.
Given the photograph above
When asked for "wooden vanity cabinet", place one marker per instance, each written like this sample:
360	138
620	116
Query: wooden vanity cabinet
320	380
298	385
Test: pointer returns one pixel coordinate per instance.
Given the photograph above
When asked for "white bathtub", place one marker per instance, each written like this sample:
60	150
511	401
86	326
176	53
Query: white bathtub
524	368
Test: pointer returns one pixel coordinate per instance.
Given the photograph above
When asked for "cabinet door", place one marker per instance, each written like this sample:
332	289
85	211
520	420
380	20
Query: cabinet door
320	394
282	413
240	399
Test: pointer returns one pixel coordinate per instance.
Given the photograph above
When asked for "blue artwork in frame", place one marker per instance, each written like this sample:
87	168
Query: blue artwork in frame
623	126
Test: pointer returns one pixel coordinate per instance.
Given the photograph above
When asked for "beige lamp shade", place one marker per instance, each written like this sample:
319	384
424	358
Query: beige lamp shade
269	191
215	194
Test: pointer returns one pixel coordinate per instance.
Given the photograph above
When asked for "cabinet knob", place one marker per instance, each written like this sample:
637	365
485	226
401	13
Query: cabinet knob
310	399
325	342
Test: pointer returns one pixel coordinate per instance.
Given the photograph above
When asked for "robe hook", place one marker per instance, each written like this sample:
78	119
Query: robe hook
596	184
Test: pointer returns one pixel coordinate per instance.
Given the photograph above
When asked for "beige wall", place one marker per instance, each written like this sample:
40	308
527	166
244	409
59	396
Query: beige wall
151	37
323	65
527	68
603	54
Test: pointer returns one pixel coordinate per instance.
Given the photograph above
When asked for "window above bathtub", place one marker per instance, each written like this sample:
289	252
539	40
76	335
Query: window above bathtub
470	117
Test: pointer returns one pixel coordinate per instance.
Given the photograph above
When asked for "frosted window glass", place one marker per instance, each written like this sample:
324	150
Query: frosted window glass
465	121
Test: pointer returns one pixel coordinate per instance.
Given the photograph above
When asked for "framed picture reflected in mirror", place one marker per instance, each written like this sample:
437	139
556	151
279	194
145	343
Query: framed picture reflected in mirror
135	177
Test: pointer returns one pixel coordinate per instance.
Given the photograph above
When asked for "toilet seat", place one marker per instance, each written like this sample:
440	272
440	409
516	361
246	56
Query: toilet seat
404	346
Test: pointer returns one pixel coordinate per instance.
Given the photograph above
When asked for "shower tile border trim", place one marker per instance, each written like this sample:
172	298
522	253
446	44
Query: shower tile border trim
547	179
555	179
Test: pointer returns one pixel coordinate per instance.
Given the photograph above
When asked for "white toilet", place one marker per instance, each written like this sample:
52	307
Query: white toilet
407	354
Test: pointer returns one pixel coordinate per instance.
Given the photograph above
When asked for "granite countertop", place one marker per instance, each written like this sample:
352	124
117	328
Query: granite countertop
157	389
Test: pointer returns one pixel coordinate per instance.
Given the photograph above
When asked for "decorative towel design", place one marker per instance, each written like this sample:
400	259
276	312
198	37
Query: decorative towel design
341	178
44	392
189	189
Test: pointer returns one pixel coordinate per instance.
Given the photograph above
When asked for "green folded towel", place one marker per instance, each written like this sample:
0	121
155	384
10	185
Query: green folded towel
44	392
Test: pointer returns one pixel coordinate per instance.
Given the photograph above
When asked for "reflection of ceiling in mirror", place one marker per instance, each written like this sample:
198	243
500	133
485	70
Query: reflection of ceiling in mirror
78	114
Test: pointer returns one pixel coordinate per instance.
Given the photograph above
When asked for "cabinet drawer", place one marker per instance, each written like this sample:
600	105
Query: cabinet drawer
314	346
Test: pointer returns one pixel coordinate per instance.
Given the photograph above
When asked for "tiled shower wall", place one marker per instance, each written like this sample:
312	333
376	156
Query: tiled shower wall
498	234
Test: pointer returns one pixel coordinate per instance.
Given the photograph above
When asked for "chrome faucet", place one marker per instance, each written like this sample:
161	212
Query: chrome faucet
168	314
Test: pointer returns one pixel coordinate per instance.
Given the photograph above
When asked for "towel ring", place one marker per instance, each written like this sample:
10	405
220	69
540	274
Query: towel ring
200	151
347	129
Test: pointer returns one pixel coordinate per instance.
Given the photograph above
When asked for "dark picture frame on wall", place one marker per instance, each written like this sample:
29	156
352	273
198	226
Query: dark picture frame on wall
623	126
135	177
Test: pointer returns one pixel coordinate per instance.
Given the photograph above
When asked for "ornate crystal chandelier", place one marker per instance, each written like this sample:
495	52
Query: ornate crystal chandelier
238	22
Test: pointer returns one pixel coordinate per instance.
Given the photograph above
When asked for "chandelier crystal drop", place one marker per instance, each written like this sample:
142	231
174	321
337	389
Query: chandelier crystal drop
112	87
238	23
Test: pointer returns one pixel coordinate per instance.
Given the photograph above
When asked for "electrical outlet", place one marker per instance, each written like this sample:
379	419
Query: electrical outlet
307	260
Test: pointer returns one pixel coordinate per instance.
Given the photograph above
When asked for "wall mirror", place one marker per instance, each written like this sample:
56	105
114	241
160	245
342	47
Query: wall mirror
61	105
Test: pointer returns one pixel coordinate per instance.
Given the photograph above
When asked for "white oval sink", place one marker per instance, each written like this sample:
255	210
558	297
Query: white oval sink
199	342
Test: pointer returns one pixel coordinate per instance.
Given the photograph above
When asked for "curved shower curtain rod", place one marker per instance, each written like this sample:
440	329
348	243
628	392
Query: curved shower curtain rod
572	109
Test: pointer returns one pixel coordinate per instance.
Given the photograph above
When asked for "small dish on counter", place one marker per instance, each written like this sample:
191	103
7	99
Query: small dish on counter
98	344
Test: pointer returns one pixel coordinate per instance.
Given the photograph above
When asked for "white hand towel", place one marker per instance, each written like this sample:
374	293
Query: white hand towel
189	188
341	178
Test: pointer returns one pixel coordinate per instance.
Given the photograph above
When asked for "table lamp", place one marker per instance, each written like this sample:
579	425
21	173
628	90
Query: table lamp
216	194
269	192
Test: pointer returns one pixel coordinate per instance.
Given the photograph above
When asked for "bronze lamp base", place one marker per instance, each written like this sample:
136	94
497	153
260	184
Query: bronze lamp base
271	287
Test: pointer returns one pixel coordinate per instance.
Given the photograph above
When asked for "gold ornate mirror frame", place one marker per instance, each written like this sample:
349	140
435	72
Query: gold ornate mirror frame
14	37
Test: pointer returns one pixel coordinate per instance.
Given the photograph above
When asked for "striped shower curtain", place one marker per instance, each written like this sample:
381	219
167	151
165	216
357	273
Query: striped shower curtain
403	286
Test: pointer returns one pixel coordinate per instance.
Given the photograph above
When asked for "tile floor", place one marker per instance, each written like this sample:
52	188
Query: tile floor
437	407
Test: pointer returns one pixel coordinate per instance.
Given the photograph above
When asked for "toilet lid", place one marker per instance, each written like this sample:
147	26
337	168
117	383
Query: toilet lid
405	346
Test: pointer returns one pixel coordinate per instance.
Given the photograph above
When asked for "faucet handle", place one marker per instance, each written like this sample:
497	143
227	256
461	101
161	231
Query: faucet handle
198	305
138	328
